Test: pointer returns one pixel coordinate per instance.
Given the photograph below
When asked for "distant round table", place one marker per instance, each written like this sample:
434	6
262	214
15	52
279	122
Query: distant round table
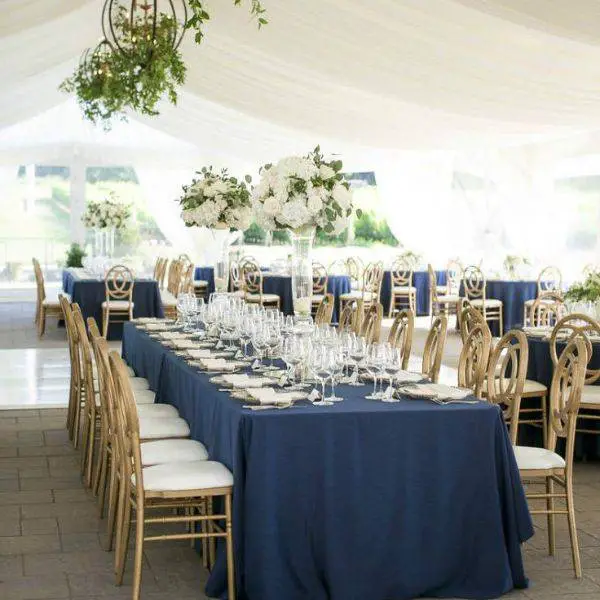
540	368
513	295
420	282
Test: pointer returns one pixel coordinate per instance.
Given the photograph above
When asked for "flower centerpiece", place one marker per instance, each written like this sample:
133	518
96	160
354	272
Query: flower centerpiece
513	264
303	194
584	297
105	217
218	201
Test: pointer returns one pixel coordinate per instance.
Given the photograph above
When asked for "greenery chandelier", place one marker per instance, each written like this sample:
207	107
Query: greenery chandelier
138	62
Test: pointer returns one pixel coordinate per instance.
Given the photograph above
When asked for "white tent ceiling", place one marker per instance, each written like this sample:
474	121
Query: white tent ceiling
361	76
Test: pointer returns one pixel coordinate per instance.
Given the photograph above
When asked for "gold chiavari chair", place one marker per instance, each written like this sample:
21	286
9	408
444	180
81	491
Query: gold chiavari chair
319	290
325	310
168	297
403	291
371	325
236	283
401	334
253	287
470	318
568	328
351	317
188	488
119	284
371	287
546	310
474	358
447	303
354	269
454	272
506	374
45	307
475	290
434	349
549	280
157	266
338	267
544	466
188	285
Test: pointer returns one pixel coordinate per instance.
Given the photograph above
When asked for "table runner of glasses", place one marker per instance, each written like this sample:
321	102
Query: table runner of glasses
320	478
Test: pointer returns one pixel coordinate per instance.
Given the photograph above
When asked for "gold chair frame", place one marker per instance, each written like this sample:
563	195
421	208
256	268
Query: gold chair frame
43	307
402	288
434	349
319	287
475	291
371	325
324	312
118	283
546	310
446	303
252	277
351	317
474	358
401	334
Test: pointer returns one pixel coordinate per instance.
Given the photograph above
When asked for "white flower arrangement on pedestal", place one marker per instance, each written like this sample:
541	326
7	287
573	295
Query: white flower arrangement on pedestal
108	214
302	193
217	201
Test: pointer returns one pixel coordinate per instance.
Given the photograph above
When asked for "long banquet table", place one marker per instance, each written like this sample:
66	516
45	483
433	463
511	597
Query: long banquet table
358	500
90	292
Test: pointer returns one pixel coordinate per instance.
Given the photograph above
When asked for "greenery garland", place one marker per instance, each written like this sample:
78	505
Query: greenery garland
107	82
586	291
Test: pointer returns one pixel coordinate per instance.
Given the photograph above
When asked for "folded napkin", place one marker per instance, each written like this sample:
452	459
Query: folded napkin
268	395
156	326
407	376
218	364
243	381
199	353
184	344
173	335
537	331
435	390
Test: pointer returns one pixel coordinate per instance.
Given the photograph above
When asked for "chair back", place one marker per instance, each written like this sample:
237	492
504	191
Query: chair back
157	265
187	280
550	280
473	360
401	273
252	278
569	328
325	310
506	375
371	325
433	294
565	397
174	277
39	281
547	309
454	272
354	269
474	282
85	355
72	336
119	283
235	278
469	318
434	348
93	327
319	279
401	334
351	316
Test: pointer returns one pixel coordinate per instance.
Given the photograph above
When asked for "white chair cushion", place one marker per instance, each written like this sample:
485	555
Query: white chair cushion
157	411
118	304
358	295
591	394
139	383
537	458
167	298
131	372
534	387
489	302
158	452
179	477
265	297
441	289
446	299
153	428
144	396
51	303
317	298
200	283
398	289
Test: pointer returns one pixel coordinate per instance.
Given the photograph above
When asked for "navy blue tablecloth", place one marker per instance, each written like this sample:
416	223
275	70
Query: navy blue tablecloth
360	500
513	294
420	281
540	368
91	293
206	274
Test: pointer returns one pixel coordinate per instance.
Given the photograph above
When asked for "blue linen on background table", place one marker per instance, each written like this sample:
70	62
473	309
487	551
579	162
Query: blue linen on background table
540	368
91	293
513	294
361	500
206	274
420	281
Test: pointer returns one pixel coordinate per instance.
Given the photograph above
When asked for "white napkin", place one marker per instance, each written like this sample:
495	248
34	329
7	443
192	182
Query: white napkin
173	335
199	353
184	344
435	390
270	396
156	326
407	376
218	364
537	331
243	381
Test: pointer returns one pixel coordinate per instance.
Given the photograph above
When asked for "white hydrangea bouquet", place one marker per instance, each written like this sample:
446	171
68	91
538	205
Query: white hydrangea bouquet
109	213
302	193
217	201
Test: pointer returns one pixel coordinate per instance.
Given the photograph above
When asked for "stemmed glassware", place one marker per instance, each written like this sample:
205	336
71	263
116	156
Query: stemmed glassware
358	352
320	364
259	342
337	367
393	365
273	339
372	363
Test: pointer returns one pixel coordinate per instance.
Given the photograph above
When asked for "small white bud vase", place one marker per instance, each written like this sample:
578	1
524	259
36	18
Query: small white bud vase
301	271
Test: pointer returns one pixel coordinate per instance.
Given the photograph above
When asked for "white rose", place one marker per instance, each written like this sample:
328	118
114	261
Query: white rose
314	204
271	206
342	196
326	172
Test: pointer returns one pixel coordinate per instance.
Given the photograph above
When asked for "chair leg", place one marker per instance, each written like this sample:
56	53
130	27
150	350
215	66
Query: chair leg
122	534
105	317
106	460
113	493
85	441
42	323
573	529
550	516
90	451
229	540
139	550
392	304
545	423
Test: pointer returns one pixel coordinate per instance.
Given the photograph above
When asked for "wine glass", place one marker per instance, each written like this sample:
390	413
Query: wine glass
321	368
259	342
372	365
337	367
358	351
393	365
273	340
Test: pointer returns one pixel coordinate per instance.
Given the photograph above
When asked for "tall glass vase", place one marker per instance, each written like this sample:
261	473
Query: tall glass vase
302	275
223	238
104	242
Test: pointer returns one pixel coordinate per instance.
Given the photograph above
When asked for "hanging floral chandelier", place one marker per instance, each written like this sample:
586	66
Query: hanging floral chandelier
138	63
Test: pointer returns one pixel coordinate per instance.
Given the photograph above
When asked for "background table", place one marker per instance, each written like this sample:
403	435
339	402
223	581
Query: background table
206	274
540	368
420	281
513	294
91	293
360	500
